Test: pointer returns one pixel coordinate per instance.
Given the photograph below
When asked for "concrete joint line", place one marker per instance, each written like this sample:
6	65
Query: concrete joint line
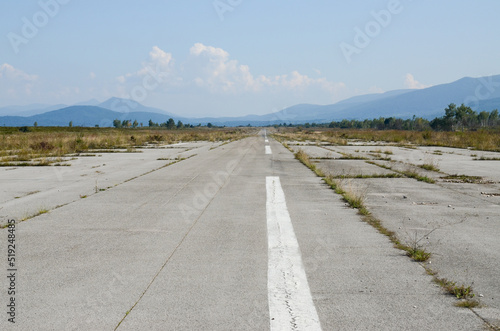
179	244
290	302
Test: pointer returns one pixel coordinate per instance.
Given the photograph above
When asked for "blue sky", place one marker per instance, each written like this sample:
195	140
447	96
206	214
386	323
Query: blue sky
237	57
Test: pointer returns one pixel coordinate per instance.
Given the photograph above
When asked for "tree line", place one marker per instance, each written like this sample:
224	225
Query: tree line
169	124
456	118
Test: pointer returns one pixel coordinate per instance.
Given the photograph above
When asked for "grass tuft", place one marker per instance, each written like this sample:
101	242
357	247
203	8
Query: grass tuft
418	254
463	179
429	167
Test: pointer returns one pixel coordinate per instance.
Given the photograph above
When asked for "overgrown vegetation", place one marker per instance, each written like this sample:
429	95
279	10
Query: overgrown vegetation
46	145
359	176
464	179
483	139
413	248
409	172
484	158
455	118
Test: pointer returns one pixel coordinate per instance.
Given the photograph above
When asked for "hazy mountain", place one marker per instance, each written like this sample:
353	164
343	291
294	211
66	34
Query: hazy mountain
489	104
129	106
479	93
372	97
81	116
28	110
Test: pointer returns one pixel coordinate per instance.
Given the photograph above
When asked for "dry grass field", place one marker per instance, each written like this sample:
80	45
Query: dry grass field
486	140
46	145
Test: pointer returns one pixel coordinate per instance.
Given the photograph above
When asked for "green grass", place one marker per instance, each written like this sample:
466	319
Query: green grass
458	291
429	167
467	303
418	254
415	175
304	158
346	156
40	211
484	158
391	175
407	173
464	179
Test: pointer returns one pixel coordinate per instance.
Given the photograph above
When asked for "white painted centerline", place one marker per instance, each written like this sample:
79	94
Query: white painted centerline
268	150
290	302
267	140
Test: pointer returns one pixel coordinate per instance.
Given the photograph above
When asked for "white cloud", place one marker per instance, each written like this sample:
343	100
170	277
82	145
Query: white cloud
297	81
375	89
15	83
158	67
412	83
92	75
217	72
9	73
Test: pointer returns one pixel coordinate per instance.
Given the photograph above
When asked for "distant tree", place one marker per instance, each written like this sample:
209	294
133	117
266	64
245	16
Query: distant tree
209	125
70	124
482	118
135	124
35	124
170	124
126	123
180	125
450	113
117	123
493	119
465	116
440	124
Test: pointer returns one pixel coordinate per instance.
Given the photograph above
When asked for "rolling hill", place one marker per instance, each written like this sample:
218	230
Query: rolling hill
479	93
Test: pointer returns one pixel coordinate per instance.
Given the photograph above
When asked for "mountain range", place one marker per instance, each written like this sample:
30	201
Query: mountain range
479	93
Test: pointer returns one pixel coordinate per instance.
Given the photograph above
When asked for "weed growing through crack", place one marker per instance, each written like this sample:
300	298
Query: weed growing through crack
40	211
354	196
414	248
484	158
359	176
409	172
304	158
430	164
463	179
429	167
459	291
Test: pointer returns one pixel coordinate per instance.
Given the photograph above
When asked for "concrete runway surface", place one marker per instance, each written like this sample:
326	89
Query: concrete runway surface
236	237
